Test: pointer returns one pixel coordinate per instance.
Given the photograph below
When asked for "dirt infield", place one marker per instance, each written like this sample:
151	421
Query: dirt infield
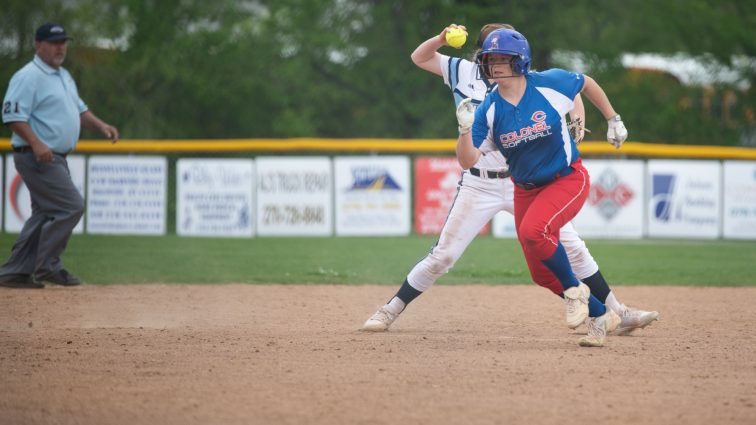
271	354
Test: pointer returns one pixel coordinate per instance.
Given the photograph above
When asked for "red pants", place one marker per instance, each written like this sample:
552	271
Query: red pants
540	213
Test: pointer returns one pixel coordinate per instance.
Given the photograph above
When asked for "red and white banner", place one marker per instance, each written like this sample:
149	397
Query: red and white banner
436	181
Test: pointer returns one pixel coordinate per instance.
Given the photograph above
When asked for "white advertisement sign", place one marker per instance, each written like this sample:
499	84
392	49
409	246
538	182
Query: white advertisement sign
214	197
126	195
294	196
18	200
503	225
739	220
372	196
615	204
684	199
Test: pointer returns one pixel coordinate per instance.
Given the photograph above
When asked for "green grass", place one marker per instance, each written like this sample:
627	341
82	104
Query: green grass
174	259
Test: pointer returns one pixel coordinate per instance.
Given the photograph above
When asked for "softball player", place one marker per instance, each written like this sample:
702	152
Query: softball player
524	119
484	190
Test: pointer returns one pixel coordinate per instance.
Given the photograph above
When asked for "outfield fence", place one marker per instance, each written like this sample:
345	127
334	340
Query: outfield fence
379	187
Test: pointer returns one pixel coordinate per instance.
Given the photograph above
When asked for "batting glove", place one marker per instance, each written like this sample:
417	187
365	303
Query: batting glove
465	116
617	132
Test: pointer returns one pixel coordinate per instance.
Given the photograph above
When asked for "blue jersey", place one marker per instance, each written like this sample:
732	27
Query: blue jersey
533	134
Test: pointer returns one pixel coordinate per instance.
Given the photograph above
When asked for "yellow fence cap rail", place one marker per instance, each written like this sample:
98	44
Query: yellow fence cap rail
421	146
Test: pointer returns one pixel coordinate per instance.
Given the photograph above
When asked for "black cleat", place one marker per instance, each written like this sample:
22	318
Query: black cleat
20	281
61	277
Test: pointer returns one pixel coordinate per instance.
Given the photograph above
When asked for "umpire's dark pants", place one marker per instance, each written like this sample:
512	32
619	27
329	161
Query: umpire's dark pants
56	209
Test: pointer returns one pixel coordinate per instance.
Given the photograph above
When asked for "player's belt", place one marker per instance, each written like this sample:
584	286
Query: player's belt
490	173
566	171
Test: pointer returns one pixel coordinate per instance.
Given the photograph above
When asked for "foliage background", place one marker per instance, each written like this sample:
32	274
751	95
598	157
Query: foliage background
339	68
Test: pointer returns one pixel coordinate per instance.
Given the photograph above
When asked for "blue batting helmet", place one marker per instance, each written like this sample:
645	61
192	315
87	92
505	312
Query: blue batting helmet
507	42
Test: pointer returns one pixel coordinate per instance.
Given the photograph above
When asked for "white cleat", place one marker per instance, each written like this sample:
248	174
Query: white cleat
633	318
380	321
576	303
598	327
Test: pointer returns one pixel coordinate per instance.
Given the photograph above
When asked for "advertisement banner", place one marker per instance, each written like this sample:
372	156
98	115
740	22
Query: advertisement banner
18	201
684	199
214	197
739	221
436	180
372	196
503	226
294	196
615	204
126	195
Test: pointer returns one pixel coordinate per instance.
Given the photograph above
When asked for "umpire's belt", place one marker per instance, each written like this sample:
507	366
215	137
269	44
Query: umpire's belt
22	149
491	174
566	171
27	149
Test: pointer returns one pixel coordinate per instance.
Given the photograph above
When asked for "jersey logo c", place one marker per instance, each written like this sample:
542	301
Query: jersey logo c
527	134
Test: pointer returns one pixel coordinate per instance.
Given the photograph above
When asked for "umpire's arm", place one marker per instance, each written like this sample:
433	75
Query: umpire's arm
91	122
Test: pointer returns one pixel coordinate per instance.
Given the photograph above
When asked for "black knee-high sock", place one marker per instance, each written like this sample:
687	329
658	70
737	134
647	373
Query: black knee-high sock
599	288
407	293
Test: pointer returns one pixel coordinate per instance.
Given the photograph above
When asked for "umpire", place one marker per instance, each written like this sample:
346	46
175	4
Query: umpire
43	109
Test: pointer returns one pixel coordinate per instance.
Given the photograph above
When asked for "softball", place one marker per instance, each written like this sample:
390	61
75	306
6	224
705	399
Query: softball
456	37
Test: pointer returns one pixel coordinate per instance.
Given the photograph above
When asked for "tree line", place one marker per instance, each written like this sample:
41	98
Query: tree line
341	68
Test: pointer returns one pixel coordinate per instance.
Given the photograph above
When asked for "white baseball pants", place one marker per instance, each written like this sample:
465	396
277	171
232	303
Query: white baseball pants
477	202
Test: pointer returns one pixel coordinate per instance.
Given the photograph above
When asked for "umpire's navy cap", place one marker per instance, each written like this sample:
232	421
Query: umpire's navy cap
51	32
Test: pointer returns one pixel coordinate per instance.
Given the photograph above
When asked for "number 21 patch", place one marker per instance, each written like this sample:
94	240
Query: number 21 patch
7	107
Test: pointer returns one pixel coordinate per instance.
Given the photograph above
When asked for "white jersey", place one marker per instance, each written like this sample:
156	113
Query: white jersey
461	76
